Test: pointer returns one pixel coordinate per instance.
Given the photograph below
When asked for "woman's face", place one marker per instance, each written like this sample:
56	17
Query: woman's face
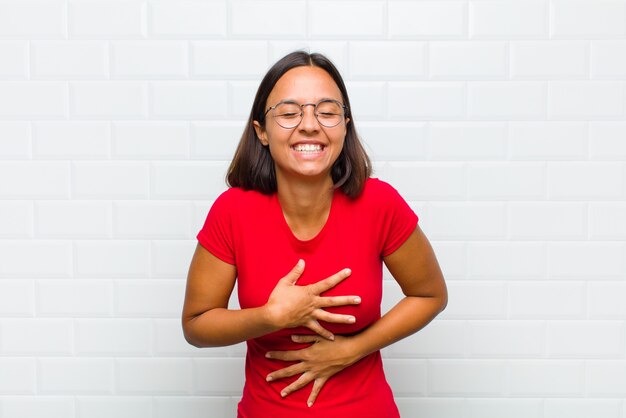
309	149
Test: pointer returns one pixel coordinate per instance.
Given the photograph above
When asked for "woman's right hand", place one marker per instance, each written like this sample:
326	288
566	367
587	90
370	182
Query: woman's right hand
291	306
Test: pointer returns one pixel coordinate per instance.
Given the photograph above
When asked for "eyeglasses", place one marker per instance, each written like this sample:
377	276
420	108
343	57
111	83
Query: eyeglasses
288	114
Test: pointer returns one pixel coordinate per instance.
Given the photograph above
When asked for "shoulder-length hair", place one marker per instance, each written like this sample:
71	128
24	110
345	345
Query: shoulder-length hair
253	168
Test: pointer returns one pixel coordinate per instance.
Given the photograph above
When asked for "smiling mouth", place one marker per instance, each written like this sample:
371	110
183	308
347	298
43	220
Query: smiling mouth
308	148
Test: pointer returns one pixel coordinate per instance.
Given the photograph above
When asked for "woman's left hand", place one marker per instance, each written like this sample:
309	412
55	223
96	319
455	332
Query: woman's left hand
317	362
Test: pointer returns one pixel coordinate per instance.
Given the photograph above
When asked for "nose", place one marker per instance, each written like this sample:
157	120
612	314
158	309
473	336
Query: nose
309	121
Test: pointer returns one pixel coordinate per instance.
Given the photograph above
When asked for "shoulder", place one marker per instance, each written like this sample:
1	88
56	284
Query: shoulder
236	200
378	191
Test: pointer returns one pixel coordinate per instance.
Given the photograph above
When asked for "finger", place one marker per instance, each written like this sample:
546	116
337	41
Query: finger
329	282
292	370
317	386
292	355
305	338
322	315
295	273
302	381
326	301
315	326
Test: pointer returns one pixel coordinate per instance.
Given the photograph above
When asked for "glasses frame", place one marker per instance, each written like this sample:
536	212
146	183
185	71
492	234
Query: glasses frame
343	106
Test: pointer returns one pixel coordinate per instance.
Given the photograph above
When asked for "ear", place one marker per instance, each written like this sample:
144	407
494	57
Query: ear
260	133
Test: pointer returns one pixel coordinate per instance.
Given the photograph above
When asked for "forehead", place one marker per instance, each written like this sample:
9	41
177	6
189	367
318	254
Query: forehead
305	84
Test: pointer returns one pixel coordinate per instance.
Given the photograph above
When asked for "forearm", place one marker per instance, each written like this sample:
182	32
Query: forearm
221	327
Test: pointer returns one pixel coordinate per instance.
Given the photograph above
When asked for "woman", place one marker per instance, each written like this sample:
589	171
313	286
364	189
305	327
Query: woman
304	231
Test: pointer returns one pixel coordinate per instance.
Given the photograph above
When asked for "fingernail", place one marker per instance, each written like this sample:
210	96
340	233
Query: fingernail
283	394
268	355
347	271
332	338
310	404
357	300
352	320
269	378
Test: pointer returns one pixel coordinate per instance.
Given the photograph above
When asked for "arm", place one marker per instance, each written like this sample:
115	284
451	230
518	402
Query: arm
415	268
208	322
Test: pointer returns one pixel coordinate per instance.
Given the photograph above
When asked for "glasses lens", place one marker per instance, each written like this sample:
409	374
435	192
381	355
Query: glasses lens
329	113
288	115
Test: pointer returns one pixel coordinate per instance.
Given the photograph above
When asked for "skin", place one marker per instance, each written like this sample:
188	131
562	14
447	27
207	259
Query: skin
305	193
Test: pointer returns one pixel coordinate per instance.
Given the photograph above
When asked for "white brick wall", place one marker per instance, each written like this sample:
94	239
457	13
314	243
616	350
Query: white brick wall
503	122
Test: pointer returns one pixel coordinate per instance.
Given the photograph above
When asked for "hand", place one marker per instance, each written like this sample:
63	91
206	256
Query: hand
317	363
291	306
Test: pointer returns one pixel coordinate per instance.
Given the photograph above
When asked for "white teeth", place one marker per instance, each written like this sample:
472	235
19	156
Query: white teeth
308	148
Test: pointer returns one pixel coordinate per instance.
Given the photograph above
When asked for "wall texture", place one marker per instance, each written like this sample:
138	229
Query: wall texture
502	122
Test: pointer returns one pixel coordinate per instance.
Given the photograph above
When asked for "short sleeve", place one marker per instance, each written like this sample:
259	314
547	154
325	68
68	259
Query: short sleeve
217	233
399	220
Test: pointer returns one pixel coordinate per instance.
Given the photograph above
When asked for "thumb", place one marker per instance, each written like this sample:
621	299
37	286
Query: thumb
295	273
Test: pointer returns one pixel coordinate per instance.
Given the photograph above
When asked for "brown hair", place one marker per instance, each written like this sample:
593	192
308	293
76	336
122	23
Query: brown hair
253	168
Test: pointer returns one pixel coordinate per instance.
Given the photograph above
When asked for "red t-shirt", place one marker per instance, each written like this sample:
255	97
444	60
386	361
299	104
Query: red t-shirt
248	229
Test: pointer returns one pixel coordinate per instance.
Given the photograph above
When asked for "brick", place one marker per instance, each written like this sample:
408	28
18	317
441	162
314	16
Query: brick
547	220
475	301
74	298
406	377
151	219
149	59
446	180
589	181
452	257
147	140
586	260
194	406
439	339
506	339
328	19
467	221
108	99
107	19
37	406
75	376
547	378
268	18
187	18
112	258
193	180
507	100
334	49
19	376
606	300
508	19
33	99
394	60
466	378
54	258
17	298
169	341
412	407
606	140
103	179
28	337
582	408
26	180
588	18
367	99
149	298
607	221
468	60
16	142
215	140
570	297
515	408
507	260
75	139
171	258
394	140
189	99
510	181
72	219
18	20
231	371
229	59
467	140
606	378
608	59
548	140
427	19
426	100
586	99
114	406
16	219
65	59
13	59
107	337
549	59
241	98
154	376
585	339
